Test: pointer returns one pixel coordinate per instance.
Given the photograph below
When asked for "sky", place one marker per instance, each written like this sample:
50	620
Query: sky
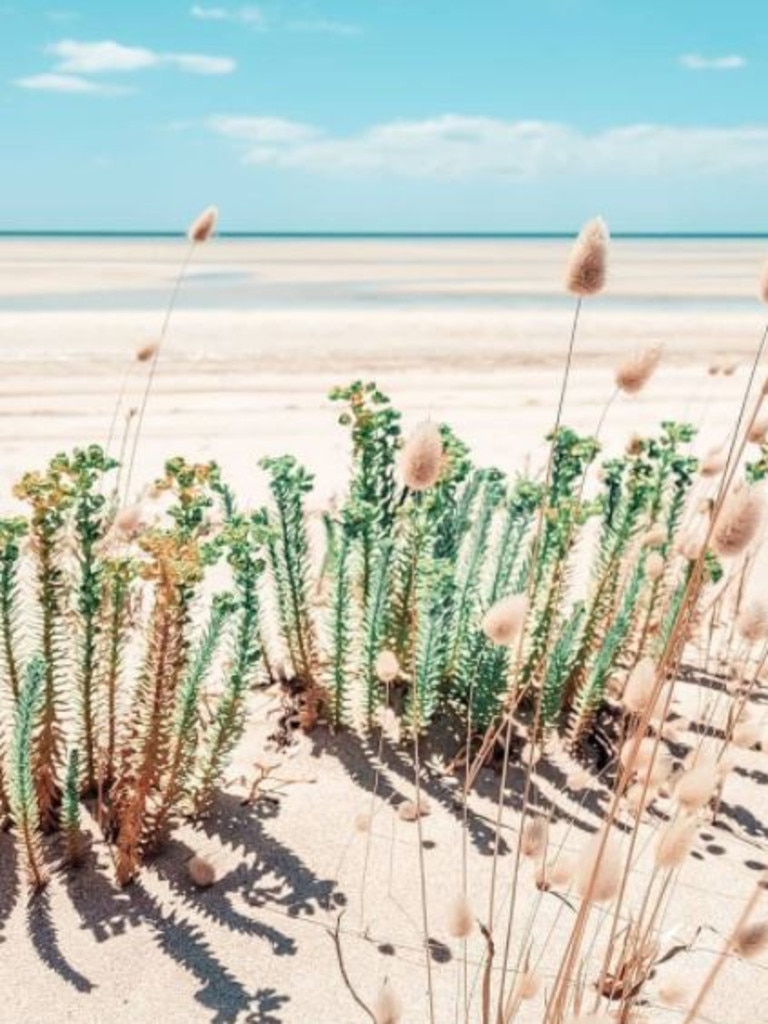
384	115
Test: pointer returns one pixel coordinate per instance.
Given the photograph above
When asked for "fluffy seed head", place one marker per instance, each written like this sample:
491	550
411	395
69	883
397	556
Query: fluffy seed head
587	265
738	522
422	458
527	986
640	686
752	622
362	823
751	939
607	873
534	838
387	1009
461	920
654	566
128	520
634	445
758	430
674	993
637	369
639	797
655	536
504	620
675	842
697	786
578	779
650	760
410	811
747	735
713	462
201	871
764	284
387	667
203	226
147	351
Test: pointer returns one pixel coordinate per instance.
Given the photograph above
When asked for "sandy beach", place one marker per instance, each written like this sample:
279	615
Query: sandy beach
474	331
470	331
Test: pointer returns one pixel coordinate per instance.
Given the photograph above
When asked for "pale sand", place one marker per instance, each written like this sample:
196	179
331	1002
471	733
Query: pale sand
234	384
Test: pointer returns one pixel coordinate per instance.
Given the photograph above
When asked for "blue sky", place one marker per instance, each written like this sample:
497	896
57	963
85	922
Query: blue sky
384	114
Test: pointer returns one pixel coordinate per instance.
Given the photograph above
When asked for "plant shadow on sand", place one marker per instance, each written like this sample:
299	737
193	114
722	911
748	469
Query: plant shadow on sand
178	923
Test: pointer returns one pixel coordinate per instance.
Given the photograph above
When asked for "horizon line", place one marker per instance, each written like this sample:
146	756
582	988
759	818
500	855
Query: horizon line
532	235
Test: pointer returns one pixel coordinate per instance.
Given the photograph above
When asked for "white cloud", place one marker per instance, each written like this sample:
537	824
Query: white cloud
244	15
332	28
52	82
695	62
459	147
258	130
84	58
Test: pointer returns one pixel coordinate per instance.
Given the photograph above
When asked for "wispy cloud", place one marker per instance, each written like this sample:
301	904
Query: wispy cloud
107	56
248	15
458	147
730	62
324	27
53	82
256	18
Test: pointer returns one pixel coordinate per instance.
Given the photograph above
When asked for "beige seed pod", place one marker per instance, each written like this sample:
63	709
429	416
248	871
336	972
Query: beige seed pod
764	284
387	666
408	810
634	372
751	939
758	429
204	225
752	622
387	1009
691	543
634	445
747	735
713	462
578	779
675	842
461	920
738	522
421	461
674	993
362	823
504	620
587	265
533	841
729	368
650	760
599	876
697	786
640	686
527	986
655	536
530	754
128	520
201	871
639	797
654	566
147	351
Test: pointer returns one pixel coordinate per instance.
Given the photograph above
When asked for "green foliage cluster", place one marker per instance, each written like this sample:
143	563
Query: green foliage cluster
116	647
119	645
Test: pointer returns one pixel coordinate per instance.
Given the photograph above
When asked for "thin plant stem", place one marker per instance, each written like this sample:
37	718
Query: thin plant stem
153	365
717	966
